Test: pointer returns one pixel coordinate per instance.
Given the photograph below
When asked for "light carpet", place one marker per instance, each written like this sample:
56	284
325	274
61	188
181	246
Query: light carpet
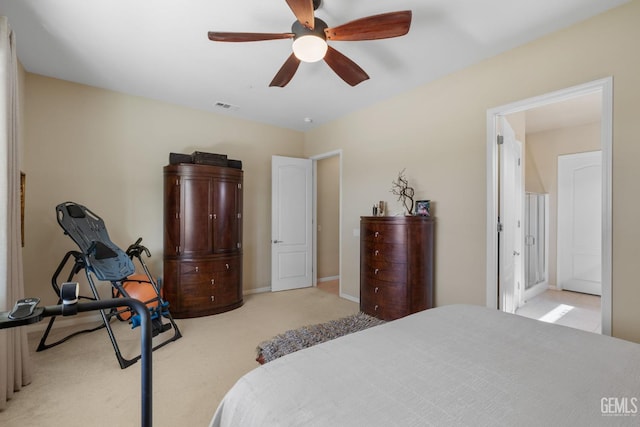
79	383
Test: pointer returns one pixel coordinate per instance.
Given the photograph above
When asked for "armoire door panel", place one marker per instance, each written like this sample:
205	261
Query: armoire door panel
172	215
225	216
195	219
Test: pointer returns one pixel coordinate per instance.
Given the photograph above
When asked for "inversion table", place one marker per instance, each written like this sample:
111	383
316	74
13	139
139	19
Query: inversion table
101	259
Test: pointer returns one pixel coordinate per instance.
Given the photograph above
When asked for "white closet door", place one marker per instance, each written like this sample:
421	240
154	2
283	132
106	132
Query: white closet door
580	222
291	223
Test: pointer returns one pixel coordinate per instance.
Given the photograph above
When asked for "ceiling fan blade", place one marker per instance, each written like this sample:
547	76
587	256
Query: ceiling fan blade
348	70
303	9
286	72
384	26
222	36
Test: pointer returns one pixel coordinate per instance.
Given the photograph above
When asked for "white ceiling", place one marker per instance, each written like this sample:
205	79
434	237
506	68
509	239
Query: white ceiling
159	49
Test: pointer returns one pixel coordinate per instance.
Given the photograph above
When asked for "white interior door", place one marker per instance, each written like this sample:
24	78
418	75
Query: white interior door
511	273
580	222
291	223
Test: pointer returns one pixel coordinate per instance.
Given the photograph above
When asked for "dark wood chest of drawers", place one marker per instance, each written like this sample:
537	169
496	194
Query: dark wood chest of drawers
396	265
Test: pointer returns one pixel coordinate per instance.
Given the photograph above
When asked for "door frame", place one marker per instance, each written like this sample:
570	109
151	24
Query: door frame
605	86
314	210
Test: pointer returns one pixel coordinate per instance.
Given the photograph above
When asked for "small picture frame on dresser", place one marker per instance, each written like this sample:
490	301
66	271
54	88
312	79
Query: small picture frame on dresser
423	208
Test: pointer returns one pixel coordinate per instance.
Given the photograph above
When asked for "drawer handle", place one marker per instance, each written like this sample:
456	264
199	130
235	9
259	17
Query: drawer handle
376	290
227	265
374	308
197	269
376	234
376	271
213	298
376	253
213	281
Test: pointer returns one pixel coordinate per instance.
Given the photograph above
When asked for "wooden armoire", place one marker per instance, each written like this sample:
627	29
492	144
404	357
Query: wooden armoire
202	239
396	265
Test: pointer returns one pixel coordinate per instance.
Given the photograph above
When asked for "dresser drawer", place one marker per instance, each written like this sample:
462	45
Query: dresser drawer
371	303
195	268
210	278
209	283
384	233
391	252
383	300
385	271
225	265
198	271
215	293
396	292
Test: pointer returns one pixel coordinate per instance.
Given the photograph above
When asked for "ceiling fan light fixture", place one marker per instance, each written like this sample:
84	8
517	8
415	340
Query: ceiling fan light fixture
309	48
310	41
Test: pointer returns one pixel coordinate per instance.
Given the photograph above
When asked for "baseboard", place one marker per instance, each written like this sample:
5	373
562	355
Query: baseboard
350	298
257	291
329	279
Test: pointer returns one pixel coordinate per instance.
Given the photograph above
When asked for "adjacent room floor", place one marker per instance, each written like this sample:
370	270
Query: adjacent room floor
573	309
331	286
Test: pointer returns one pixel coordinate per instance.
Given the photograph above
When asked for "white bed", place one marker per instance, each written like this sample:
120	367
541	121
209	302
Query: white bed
453	365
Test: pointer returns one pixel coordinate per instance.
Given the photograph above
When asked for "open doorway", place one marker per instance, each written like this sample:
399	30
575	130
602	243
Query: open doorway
327	173
544	143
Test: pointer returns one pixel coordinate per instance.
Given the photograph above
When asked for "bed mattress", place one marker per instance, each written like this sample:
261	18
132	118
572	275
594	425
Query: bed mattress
452	365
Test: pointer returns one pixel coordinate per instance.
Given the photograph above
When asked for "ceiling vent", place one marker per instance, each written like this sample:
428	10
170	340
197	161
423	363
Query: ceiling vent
226	106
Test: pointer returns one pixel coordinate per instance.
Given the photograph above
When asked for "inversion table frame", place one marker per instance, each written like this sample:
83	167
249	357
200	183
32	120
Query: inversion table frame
102	259
72	307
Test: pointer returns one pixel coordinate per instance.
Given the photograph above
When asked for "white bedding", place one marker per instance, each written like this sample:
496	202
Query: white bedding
453	365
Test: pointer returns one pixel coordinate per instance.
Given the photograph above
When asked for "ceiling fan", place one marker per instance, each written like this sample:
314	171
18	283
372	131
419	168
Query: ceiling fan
310	36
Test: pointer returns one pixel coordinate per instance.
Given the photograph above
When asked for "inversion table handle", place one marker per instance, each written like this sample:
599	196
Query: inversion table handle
72	308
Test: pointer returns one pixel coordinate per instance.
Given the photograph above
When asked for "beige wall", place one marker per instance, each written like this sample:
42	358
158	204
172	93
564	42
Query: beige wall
438	133
106	151
532	179
328	211
544	149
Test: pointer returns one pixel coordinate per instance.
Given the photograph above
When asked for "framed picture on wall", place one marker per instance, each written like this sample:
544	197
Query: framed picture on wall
423	208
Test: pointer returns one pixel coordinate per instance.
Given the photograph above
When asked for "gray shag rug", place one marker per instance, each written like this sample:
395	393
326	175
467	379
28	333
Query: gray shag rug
307	336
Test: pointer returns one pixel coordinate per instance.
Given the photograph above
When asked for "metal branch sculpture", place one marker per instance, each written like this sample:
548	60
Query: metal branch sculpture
405	193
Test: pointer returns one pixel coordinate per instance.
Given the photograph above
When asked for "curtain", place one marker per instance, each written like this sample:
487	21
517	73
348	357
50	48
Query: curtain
15	366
